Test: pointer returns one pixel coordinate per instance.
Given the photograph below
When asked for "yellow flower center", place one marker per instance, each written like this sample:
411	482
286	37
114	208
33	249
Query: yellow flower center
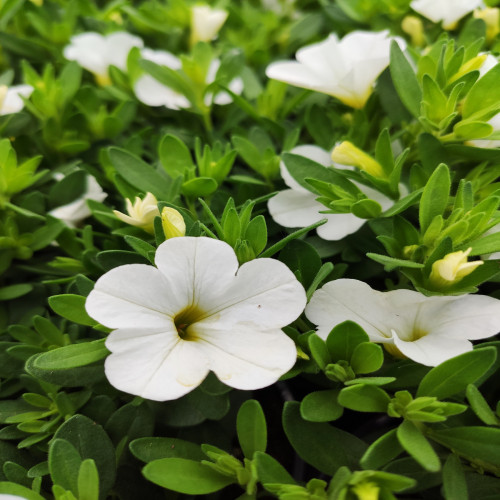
185	319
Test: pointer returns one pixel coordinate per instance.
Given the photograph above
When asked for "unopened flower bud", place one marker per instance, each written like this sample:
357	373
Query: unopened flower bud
452	268
142	213
413	26
173	223
491	17
366	490
346	153
206	23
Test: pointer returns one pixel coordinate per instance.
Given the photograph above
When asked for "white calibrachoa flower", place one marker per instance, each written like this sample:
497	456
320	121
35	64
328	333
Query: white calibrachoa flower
96	52
428	330
297	207
153	93
345	69
74	212
141	213
206	22
196	312
10	98
449	12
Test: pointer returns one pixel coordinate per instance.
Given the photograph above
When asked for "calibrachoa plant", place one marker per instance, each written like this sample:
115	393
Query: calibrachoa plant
249	249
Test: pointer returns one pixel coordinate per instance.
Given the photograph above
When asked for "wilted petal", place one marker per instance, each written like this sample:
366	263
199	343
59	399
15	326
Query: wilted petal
156	365
134	296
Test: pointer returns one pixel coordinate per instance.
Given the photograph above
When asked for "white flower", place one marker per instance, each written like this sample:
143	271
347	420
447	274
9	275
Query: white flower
206	23
141	213
195	313
452	268
297	207
345	69
153	93
10	98
96	52
449	12
77	210
428	330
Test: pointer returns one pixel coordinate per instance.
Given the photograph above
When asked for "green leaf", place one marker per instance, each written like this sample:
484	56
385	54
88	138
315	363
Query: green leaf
415	443
71	356
483	96
175	156
480	406
321	406
14	291
148	449
367	358
71	307
435	196
324	447
199	187
319	351
185	476
453	376
302	257
454	484
366	209
382	451
88	481
7	488
139	174
91	441
251	428
485	245
364	398
477	444
343	339
64	463
468	130
405	80
270	470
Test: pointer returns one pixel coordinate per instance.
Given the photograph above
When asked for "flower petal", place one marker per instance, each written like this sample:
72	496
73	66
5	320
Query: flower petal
133	296
153	93
155	365
263	294
291	208
89	51
347	299
118	45
338	226
245	358
432	350
13	102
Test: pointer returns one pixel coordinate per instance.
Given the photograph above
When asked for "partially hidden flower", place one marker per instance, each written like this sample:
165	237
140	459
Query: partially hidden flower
96	52
413	26
206	22
488	143
491	17
73	213
345	69
11	98
428	330
346	153
196	312
154	93
448	12
452	268
173	223
141	213
297	207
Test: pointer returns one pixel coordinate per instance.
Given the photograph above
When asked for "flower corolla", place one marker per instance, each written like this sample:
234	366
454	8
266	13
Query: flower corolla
141	213
428	330
452	268
154	93
96	52
449	12
297	207
206	22
345	69
10	98
196	312
74	212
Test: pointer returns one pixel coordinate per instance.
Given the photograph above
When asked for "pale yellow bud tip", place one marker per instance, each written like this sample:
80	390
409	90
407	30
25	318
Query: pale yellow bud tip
491	17
452	268
414	27
366	490
173	223
346	153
